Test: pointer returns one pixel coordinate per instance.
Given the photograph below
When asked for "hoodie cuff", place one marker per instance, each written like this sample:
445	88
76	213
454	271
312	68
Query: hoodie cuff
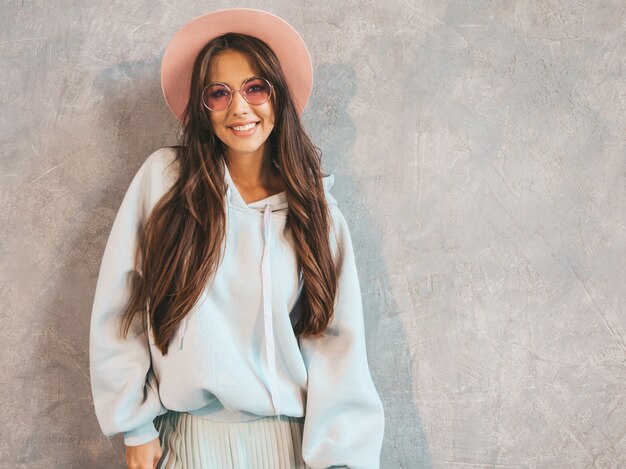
141	435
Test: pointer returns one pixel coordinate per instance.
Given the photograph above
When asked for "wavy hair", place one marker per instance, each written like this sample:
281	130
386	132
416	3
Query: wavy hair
179	249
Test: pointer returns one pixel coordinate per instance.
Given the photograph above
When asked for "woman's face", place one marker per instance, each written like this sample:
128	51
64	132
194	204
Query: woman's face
233	67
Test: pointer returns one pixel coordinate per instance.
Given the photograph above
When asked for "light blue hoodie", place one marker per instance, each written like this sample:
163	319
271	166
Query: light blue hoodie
236	357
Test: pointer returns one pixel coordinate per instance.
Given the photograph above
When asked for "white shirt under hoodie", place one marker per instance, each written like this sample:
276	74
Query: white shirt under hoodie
236	357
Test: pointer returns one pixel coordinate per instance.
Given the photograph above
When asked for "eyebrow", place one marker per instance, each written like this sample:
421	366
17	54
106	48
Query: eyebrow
229	85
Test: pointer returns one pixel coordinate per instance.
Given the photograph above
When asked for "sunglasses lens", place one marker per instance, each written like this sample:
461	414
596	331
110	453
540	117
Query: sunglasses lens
216	97
256	91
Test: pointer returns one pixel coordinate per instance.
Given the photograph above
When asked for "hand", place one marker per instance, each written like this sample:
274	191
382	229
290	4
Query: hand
144	456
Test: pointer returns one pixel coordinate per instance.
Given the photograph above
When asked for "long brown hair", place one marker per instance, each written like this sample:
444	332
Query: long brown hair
179	248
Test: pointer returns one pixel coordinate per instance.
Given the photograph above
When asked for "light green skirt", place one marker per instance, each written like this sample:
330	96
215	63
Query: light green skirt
189	442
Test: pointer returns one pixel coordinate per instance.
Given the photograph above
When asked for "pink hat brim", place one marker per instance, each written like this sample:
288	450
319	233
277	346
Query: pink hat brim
287	44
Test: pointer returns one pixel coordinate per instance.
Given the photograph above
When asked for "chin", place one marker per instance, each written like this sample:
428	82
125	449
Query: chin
243	150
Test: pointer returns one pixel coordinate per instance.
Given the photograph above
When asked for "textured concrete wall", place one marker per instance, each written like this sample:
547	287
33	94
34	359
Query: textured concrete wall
479	149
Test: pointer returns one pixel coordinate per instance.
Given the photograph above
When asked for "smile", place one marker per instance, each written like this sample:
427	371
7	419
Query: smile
243	128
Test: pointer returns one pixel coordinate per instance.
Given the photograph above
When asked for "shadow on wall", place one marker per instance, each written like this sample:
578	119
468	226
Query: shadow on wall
135	112
331	127
134	122
56	242
124	120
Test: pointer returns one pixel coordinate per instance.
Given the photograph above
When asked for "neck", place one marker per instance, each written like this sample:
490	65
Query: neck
252	171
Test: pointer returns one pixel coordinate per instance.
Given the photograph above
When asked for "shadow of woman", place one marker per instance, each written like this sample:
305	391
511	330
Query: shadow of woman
405	443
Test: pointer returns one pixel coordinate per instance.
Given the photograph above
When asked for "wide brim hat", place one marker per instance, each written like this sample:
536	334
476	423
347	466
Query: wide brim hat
284	40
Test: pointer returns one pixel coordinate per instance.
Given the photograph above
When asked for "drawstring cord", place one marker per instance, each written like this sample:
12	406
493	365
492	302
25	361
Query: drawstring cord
266	278
181	334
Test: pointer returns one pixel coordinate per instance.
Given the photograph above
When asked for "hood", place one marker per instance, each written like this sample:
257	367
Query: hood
277	202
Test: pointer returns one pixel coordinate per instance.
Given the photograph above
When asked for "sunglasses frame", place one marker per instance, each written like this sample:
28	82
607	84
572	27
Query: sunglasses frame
232	92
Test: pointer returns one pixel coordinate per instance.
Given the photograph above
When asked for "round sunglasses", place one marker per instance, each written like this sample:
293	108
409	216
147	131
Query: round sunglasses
217	96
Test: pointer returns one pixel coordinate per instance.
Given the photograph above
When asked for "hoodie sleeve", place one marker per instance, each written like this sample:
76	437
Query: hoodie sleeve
124	388
344	423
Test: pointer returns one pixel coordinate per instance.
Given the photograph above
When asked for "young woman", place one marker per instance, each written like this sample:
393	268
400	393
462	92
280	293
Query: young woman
227	326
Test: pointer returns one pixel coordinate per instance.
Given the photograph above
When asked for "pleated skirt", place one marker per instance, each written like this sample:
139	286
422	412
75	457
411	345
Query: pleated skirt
190	442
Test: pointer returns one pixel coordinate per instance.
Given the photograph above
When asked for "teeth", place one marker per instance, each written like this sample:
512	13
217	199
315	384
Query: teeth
243	128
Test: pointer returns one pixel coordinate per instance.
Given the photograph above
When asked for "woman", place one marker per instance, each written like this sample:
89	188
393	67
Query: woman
248	350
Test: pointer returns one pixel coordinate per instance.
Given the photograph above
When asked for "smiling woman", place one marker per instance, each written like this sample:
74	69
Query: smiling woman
231	275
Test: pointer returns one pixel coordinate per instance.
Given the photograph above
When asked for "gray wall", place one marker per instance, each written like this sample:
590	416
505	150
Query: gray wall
479	155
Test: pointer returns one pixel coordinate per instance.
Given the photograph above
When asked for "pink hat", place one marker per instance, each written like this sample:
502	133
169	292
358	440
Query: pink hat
284	40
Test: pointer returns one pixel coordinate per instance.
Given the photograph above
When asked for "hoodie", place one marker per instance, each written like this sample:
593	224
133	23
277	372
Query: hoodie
236	357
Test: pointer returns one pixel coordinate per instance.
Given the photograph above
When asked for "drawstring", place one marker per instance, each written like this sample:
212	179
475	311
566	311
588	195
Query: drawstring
266	280
181	334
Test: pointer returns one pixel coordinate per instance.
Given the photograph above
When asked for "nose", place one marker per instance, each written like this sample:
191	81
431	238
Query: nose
238	104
